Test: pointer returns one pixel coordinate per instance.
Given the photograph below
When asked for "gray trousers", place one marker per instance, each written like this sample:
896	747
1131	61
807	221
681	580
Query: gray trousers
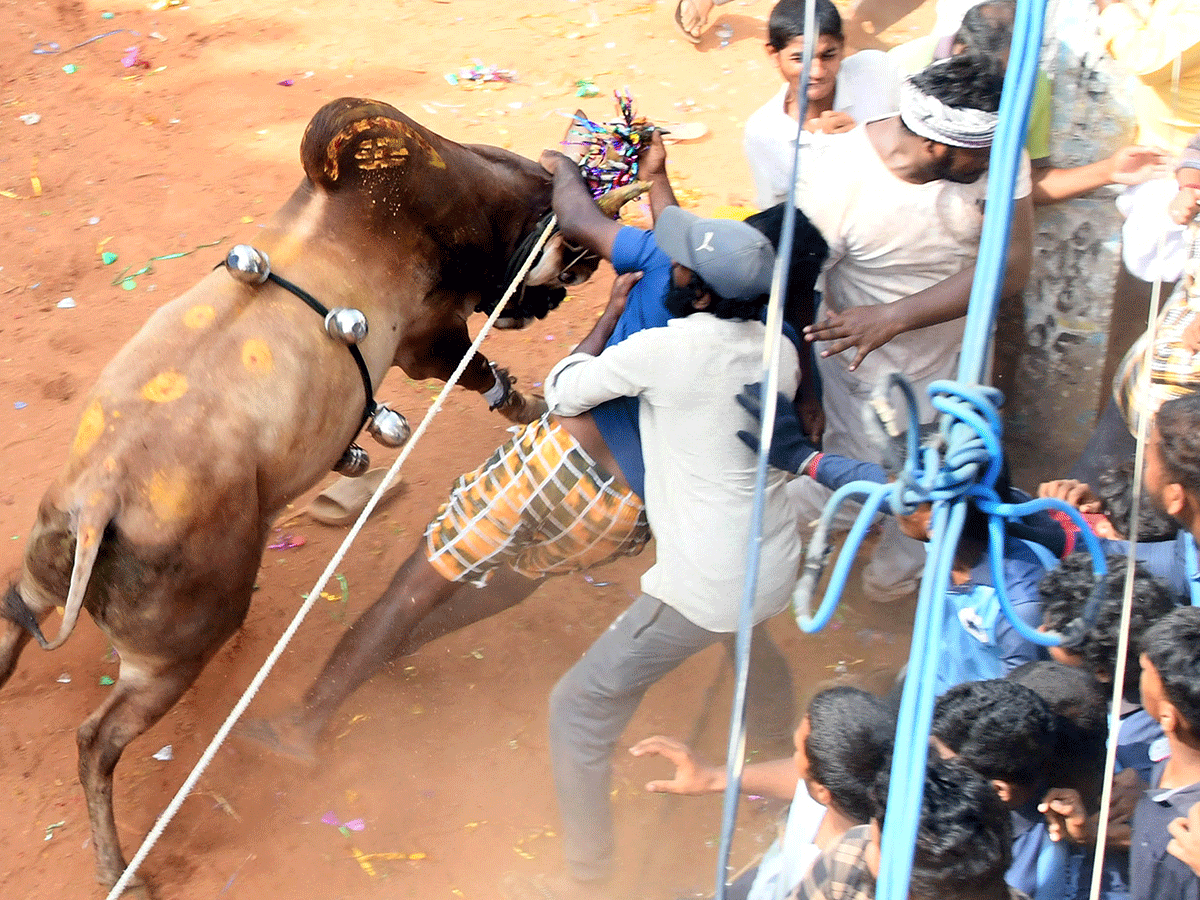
591	705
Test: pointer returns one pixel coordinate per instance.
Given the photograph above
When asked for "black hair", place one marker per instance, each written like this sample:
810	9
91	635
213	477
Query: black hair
1172	644
1066	592
966	81
987	28
786	22
809	250
1178	424
850	738
1079	705
1001	729
964	840
679	301
1114	487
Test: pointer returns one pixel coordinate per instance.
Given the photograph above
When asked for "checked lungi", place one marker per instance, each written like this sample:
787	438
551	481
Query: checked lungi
540	505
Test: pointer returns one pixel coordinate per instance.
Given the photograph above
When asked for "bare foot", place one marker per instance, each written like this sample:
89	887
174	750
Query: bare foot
281	737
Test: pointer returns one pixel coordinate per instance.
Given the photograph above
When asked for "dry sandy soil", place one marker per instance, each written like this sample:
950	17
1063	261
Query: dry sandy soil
442	759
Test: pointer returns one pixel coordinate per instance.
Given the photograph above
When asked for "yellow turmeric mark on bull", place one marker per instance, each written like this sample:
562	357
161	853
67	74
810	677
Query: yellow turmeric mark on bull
169	495
87	537
165	387
380	153
91	426
374	152
200	316
257	358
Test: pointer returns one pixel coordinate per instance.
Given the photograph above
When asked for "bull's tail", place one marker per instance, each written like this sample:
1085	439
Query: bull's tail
92	521
17	612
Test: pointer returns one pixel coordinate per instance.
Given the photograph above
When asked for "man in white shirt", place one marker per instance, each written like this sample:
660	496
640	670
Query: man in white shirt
900	203
699	489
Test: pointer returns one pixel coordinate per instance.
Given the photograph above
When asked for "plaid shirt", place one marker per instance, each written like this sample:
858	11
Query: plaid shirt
841	873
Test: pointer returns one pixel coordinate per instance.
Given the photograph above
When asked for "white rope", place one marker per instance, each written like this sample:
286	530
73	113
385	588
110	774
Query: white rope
168	814
1118	675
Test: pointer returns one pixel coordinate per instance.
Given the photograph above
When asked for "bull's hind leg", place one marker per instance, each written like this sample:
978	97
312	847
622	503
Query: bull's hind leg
139	699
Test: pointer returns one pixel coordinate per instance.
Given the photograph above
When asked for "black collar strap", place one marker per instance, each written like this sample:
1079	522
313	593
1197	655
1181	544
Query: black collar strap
319	308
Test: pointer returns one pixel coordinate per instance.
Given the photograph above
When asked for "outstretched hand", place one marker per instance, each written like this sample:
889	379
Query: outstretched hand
1136	164
866	328
791	449
692	776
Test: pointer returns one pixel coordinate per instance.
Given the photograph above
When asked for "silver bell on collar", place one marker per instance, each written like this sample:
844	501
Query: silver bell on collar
248	264
354	462
346	325
388	427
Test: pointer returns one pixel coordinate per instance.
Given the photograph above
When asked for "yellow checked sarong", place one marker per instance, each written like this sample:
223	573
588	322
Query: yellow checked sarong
541	505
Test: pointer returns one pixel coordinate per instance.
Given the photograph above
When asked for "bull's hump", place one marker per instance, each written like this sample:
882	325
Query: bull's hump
350	137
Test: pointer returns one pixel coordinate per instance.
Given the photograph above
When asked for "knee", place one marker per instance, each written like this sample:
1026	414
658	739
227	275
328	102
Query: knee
564	700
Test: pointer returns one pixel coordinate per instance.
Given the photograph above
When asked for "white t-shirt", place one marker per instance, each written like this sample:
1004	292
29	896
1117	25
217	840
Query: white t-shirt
770	137
788	860
699	475
888	239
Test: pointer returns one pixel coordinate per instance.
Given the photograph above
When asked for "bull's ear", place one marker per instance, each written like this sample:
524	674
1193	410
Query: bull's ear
610	204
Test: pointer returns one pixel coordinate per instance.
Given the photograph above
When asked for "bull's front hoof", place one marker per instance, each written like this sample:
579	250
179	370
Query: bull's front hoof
521	409
137	889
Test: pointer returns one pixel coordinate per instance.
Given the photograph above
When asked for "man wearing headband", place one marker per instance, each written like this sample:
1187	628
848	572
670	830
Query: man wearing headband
900	202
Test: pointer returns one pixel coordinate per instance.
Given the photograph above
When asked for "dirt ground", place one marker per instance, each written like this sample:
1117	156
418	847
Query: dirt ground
163	133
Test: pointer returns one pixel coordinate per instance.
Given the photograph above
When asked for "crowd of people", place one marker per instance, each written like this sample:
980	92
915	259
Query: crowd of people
641	439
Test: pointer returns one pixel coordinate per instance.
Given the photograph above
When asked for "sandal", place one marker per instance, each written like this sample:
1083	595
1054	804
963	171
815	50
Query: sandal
693	27
343	501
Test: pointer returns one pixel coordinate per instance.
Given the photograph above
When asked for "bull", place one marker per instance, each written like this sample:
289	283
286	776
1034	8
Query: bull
232	400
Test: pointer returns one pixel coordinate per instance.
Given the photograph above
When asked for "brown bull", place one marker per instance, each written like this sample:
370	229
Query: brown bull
232	400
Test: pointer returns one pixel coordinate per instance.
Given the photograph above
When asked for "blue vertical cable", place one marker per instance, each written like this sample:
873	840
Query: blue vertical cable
916	709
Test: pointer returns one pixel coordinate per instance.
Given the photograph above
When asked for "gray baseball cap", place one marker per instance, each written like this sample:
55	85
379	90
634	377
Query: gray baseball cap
735	259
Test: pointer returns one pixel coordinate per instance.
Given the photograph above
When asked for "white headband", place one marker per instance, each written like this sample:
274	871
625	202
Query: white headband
929	117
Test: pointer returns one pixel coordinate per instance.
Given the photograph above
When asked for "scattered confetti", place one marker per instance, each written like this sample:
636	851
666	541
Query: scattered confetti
106	681
64	678
30	118
70	68
133	59
287	82
50	829
365	859
481	74
66	303
108	257
288	542
166	754
608	152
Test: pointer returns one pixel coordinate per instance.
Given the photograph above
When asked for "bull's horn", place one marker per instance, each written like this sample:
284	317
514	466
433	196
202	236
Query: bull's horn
610	204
